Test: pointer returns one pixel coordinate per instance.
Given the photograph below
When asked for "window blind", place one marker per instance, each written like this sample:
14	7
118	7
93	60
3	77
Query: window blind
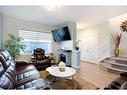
35	36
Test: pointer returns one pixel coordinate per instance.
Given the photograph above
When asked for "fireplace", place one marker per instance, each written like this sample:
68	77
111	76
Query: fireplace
65	56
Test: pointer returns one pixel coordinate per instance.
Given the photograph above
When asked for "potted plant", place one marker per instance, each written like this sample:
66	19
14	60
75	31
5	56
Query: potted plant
123	28
14	45
117	43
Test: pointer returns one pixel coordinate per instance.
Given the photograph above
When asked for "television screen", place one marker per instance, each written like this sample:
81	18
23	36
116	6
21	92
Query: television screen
61	34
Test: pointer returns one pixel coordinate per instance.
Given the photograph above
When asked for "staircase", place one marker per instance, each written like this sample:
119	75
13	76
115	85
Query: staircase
114	64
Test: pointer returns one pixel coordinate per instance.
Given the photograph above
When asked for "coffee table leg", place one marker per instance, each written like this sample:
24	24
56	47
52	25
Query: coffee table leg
73	79
46	73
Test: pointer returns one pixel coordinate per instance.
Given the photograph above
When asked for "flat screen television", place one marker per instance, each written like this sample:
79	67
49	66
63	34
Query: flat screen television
61	34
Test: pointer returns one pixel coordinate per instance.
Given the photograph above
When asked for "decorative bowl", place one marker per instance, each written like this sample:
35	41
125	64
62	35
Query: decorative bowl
62	69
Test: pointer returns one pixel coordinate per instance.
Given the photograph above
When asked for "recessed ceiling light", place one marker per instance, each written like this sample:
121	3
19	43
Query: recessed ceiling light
81	26
52	8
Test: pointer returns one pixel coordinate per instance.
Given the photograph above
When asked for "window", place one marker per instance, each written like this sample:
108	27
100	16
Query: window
33	40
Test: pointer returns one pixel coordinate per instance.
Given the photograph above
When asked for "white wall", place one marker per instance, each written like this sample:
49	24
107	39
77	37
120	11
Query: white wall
104	46
72	30
88	45
104	40
12	25
115	26
70	44
95	42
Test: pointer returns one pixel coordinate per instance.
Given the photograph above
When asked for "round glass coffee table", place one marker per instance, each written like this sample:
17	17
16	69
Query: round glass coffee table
66	78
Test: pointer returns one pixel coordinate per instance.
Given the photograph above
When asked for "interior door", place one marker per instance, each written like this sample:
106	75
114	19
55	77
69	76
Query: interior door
89	48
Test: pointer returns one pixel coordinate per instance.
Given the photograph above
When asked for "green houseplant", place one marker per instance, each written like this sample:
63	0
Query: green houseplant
14	45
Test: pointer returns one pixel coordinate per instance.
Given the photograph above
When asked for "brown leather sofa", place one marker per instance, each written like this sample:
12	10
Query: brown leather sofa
19	75
119	83
40	61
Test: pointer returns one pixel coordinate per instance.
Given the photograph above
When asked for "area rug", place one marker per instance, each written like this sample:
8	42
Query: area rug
67	84
62	83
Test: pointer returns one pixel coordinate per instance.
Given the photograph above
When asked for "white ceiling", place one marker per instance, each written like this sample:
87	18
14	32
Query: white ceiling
88	15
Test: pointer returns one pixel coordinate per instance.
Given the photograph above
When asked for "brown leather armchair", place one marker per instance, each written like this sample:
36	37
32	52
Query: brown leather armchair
40	61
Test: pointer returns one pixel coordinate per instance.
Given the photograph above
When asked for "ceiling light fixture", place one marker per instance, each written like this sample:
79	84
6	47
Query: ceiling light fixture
52	8
81	26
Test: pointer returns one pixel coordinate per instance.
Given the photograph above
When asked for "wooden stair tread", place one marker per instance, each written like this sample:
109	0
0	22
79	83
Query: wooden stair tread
115	63
110	67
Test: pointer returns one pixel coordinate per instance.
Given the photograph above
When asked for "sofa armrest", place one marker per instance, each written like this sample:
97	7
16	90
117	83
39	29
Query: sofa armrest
1	88
123	74
47	87
21	63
